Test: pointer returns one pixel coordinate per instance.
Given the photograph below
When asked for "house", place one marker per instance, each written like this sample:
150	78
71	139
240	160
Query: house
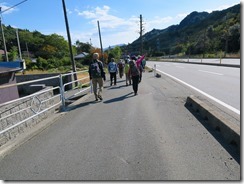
81	55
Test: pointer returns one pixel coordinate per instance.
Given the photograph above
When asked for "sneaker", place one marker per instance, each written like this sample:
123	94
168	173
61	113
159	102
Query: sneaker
100	97
96	99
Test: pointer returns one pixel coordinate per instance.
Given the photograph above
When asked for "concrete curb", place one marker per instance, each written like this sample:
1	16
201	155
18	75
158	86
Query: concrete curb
229	130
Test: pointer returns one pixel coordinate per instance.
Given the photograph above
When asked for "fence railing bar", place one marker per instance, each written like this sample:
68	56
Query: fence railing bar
77	93
15	113
83	71
19	123
22	98
28	82
50	98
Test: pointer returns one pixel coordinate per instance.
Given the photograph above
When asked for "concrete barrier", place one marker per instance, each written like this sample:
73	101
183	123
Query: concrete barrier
228	129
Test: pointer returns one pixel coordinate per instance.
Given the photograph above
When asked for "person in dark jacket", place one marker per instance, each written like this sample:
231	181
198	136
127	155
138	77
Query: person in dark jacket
134	73
97	75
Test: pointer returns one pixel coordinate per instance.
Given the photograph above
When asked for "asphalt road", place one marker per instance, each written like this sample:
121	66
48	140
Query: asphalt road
222	83
151	136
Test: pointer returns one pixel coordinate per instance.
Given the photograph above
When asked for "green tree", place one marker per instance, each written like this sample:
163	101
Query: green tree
42	63
234	38
82	47
13	54
116	52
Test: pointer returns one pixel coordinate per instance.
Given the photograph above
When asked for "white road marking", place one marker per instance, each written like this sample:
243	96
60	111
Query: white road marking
205	94
180	67
210	72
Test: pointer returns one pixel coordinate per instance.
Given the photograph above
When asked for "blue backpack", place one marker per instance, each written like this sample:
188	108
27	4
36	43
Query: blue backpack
112	68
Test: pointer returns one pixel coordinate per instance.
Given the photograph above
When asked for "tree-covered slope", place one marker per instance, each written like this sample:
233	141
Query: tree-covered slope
198	33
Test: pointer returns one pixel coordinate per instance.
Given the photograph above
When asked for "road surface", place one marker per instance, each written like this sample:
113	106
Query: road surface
151	136
222	83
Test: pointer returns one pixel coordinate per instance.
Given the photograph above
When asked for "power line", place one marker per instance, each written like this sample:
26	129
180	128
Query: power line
1	12
13	6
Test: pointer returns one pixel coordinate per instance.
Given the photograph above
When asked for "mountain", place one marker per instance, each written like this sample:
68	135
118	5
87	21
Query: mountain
197	33
193	18
113	46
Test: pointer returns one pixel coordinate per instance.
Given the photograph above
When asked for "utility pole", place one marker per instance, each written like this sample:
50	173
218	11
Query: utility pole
17	35
69	40
100	40
1	12
4	43
141	32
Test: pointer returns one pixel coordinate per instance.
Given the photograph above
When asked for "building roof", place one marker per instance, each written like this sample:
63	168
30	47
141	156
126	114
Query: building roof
81	55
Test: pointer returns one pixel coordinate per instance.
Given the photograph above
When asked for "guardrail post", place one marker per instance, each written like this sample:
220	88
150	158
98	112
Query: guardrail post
62	92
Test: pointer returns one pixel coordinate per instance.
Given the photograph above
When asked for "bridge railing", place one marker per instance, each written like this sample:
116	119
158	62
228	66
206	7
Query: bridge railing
18	115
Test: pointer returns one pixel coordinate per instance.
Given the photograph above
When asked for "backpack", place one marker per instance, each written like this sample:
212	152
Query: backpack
134	70
120	64
112	68
95	70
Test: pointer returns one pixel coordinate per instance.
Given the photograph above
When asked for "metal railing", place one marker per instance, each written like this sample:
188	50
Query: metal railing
78	87
41	101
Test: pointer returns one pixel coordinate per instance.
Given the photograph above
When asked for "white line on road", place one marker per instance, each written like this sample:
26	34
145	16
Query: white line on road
210	72
180	67
207	95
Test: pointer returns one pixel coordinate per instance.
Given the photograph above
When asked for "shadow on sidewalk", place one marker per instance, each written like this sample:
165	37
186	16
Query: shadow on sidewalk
119	98
81	105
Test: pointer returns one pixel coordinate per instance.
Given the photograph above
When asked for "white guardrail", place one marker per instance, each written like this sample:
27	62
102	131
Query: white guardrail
39	102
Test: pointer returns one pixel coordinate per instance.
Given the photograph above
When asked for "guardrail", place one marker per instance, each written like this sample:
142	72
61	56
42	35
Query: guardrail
18	114
78	89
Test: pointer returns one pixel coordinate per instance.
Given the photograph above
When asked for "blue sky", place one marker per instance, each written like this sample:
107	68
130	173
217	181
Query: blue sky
119	20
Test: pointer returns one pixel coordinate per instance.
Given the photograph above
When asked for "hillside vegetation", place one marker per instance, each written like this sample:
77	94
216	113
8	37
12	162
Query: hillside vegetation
198	34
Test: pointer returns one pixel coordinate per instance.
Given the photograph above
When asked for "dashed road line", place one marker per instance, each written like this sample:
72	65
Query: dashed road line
210	72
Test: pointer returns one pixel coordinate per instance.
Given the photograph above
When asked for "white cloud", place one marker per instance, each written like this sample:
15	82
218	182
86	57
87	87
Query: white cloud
7	9
116	30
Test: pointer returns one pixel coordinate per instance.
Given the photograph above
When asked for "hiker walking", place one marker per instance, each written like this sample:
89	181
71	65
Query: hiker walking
97	75
139	63
135	75
127	76
113	70
121	68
